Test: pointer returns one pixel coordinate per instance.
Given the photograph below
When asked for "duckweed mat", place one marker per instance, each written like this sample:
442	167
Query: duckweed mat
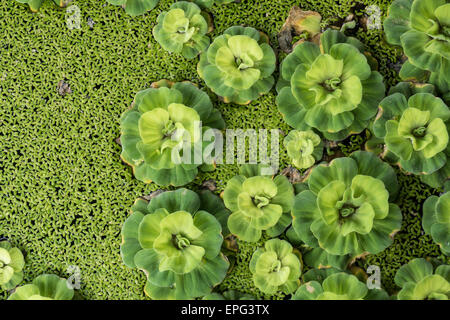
65	192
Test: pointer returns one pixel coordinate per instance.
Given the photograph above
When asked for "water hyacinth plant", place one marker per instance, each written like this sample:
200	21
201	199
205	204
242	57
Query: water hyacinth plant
238	65
276	267
422	28
182	30
348	207
329	87
415	129
304	148
36	4
44	287
135	7
418	281
176	243
258	203
163	122
11	265
436	219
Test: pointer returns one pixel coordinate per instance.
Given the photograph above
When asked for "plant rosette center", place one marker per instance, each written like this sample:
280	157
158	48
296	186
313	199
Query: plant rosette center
162	129
269	265
175	243
237	60
425	134
439	28
179	25
332	84
354	207
180	241
255	199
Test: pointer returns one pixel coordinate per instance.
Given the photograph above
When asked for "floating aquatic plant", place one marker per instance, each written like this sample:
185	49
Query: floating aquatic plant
258	203
436	219
44	287
418	281
329	87
176	243
11	265
238	65
332	284
422	28
182	30
275	267
161	133
304	148
348	207
415	129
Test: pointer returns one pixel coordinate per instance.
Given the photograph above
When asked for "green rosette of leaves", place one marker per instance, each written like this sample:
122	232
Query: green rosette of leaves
347	209
422	28
418	281
258	203
276	268
229	295
209	3
436	219
36	4
11	265
329	87
304	148
176	243
135	7
336	286
164	122
182	30
238	65
343	285
321	259
415	130
44	287
411	73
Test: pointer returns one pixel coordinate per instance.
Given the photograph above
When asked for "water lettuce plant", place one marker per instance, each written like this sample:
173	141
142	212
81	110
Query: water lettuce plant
36	4
44	287
321	259
162	123
422	28
347	208
418	281
331	284
329	87
304	148
276	267
412	74
135	7
436	219
229	295
176	243
11	265
415	129
182	29
258	203
238	65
